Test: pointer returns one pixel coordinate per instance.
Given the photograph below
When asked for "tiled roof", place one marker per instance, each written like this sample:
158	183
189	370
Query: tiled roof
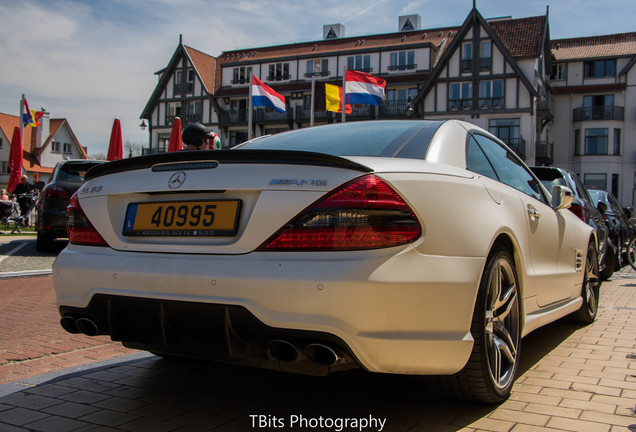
8	123
616	45
331	46
522	37
29	161
205	66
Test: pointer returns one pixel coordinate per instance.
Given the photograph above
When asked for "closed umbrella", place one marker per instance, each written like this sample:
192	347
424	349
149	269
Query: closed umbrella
115	148
15	160
175	143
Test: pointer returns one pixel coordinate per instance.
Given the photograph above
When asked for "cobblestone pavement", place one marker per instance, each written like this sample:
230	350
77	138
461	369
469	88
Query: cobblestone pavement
572	378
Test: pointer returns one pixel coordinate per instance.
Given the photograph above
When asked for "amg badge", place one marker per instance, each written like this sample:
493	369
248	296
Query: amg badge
298	182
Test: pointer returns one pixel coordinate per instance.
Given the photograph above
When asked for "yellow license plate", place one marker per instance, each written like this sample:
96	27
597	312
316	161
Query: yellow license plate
182	218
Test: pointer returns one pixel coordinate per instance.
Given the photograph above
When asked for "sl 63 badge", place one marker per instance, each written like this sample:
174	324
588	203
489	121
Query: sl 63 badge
91	189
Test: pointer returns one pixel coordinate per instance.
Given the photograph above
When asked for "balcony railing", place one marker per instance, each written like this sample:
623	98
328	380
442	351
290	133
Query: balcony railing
394	108
517	145
611	112
402	67
544	153
460	104
278	77
491	103
318	74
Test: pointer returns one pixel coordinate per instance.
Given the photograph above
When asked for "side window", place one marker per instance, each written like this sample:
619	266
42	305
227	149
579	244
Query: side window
509	169
477	161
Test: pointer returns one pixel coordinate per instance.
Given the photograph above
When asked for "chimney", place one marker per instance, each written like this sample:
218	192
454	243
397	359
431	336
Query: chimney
42	131
409	23
333	31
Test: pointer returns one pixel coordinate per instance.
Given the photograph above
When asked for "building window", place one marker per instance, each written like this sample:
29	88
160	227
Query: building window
55	147
559	71
178	80
485	56
461	96
360	63
318	67
467	57
595	181
599	68
402	60
1	143
5	168
617	141
163	141
174	110
577	142
67	148
241	75
596	141
278	72
509	131
491	94
194	111
190	81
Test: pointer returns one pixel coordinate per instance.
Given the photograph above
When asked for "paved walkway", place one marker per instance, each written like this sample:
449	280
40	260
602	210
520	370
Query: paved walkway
572	378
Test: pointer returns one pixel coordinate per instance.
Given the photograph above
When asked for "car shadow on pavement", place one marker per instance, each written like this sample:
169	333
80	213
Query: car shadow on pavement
153	393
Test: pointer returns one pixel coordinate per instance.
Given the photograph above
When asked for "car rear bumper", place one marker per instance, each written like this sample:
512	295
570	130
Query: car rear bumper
394	311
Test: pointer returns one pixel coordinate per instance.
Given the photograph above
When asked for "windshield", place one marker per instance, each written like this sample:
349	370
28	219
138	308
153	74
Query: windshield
373	138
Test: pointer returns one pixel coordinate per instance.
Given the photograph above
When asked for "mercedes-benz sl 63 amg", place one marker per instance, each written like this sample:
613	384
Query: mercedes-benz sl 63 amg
402	247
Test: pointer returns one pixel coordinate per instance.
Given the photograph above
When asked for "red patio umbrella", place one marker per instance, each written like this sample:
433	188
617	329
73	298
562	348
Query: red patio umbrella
115	148
175	143
15	160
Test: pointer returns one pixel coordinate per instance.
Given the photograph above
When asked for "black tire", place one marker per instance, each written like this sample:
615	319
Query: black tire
631	253
496	328
610	263
44	242
590	289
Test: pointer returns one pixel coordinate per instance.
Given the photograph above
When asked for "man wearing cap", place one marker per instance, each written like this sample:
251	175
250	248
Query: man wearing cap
195	136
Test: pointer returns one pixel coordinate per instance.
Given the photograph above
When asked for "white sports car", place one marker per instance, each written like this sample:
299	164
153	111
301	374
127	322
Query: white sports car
404	247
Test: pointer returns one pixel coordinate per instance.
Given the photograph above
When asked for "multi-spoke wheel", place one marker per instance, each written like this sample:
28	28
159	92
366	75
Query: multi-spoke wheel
590	289
496	328
631	253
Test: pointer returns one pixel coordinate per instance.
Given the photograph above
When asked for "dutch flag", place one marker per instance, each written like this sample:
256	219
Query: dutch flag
362	88
262	95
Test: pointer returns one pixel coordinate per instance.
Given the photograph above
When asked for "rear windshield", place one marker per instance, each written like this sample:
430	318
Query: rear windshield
406	139
74	172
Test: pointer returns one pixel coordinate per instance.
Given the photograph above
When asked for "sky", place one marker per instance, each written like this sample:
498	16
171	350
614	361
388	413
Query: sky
91	61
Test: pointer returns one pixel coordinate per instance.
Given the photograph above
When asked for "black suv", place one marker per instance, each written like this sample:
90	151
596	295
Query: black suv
584	208
50	224
621	229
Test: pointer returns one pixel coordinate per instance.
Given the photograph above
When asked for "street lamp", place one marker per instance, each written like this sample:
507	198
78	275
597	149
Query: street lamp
409	109
143	124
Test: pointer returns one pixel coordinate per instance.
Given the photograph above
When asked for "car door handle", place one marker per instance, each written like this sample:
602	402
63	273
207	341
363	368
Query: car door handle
534	214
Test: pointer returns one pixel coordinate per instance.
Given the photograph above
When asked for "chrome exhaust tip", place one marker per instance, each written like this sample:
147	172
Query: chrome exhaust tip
69	324
282	350
87	326
322	355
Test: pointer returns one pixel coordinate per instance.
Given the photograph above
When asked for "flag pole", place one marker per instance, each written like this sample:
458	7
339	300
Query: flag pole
344	94
249	110
21	121
311	111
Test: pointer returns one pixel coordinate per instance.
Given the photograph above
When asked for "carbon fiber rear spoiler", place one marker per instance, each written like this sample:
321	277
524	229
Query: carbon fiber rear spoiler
184	160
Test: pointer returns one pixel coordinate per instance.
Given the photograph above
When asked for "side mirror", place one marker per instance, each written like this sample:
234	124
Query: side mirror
602	207
629	212
39	185
562	197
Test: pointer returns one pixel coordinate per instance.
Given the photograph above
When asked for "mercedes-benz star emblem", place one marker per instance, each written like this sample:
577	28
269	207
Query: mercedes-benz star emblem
176	180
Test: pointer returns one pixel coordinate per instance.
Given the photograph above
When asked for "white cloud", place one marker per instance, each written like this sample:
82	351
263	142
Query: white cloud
92	61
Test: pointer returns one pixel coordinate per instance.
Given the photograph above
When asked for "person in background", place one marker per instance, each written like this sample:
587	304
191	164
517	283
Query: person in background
4	196
195	136
21	190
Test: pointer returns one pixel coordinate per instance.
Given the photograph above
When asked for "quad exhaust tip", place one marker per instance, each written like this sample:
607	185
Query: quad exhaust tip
317	353
282	350
322	355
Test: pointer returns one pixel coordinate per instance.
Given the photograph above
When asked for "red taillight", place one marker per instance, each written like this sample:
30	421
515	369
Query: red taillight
579	211
80	230
56	192
365	213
